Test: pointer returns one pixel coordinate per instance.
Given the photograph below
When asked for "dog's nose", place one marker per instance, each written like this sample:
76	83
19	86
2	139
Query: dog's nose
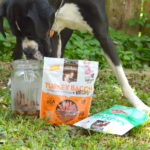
32	54
37	55
29	53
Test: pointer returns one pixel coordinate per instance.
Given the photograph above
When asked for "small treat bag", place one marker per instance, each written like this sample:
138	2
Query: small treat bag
115	120
67	89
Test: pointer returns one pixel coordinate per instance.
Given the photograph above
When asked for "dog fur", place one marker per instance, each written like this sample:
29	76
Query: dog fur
31	21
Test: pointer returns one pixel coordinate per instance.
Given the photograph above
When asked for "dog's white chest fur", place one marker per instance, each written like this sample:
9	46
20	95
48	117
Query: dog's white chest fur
69	16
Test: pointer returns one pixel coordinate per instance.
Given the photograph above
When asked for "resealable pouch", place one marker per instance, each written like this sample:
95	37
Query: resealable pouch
67	89
115	120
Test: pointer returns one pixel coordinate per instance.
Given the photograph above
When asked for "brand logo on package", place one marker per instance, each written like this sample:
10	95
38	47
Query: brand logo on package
54	67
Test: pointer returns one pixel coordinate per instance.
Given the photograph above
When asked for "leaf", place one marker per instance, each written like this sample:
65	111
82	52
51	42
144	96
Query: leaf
148	25
6	44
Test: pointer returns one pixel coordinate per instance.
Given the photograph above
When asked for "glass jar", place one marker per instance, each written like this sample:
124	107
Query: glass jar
26	83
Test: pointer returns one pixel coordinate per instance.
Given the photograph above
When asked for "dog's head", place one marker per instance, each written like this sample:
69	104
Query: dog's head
29	20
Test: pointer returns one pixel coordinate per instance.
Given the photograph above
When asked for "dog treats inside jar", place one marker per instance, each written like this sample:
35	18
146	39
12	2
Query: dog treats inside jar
26	87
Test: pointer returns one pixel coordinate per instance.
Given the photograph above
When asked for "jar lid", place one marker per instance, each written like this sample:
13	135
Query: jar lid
26	64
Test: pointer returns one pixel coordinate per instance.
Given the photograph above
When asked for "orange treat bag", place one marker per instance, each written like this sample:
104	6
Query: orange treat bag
67	89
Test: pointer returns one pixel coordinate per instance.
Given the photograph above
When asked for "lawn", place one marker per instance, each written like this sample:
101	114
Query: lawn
28	133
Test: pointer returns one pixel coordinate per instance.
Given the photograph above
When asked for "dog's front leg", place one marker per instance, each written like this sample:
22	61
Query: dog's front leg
56	44
59	42
17	51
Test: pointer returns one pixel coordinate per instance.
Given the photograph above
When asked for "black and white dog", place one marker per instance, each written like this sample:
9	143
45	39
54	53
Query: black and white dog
32	20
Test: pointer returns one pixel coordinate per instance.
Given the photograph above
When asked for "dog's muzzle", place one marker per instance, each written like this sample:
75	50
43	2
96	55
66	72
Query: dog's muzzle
32	54
37	55
30	49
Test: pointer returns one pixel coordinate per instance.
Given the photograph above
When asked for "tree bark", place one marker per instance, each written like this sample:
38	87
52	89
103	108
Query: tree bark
146	30
120	11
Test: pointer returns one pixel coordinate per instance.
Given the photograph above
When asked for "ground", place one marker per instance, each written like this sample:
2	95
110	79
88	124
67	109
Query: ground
28	133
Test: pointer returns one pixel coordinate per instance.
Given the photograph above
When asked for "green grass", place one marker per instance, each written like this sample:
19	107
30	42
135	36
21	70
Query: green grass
28	133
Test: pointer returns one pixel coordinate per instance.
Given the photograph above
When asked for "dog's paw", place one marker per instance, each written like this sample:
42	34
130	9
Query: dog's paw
144	108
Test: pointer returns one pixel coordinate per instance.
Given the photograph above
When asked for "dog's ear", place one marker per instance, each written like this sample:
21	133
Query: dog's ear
2	15
40	14
39	25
